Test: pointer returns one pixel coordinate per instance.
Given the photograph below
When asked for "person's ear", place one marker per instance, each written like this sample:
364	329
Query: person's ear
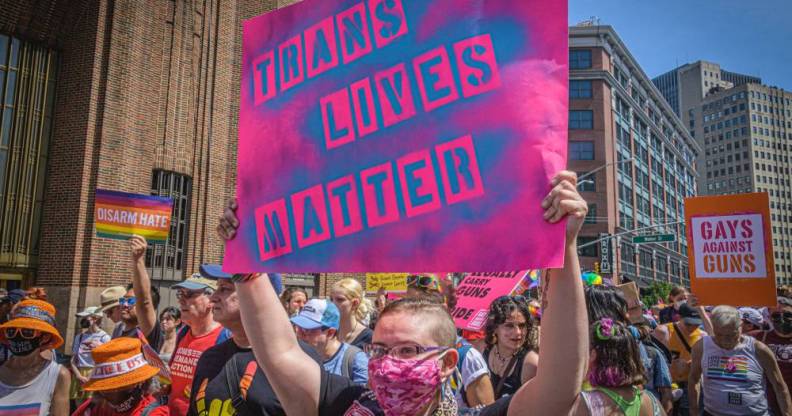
448	363
46	341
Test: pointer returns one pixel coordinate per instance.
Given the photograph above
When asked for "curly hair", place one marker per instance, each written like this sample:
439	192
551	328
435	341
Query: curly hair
500	310
617	360
605	302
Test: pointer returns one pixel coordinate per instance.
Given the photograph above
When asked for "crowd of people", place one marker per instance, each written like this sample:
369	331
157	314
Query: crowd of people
244	345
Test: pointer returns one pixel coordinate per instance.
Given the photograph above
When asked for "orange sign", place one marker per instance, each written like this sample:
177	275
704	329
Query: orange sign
730	248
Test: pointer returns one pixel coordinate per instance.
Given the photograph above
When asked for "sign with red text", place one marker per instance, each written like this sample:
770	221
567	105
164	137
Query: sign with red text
475	293
386	135
731	249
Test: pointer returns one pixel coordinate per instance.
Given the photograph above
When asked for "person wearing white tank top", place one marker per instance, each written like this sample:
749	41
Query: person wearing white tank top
733	368
30	382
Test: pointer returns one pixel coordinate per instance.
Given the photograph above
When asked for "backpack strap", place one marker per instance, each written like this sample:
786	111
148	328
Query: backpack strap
457	381
238	391
225	335
349	360
681	337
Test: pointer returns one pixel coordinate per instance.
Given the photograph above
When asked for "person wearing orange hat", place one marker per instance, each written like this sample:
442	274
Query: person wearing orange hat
31	384
120	381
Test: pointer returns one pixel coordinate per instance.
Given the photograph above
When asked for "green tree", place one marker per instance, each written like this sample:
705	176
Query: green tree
655	292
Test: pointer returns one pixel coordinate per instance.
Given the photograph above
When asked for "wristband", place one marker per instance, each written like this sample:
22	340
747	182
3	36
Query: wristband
244	277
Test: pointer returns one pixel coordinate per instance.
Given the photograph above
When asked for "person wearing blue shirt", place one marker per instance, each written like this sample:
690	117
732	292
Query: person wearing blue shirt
317	325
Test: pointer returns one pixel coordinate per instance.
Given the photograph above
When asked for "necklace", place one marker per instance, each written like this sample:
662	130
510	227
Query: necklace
503	360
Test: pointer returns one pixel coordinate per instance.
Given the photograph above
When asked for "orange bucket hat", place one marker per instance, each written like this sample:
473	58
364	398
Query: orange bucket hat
119	363
34	314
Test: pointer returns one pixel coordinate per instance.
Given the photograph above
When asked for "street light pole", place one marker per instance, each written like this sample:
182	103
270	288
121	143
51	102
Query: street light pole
628	232
589	173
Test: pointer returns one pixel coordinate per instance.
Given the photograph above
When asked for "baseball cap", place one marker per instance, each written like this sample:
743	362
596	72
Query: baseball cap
752	315
318	313
196	282
689	315
89	311
215	271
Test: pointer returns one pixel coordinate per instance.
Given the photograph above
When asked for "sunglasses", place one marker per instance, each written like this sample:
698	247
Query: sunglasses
779	315
420	281
127	301
25	333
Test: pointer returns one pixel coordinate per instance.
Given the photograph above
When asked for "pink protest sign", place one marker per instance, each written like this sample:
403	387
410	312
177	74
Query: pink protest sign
384	135
476	292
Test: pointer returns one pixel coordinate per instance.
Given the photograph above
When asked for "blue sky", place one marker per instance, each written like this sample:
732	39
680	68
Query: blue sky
751	37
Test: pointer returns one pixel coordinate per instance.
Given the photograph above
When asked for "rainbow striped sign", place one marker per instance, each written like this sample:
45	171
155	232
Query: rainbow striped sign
120	215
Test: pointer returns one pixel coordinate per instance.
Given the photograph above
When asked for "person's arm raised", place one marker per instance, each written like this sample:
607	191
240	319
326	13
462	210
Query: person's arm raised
141	285
294	376
564	330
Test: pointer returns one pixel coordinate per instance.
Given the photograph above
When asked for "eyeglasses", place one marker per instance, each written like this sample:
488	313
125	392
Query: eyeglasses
127	301
184	294
26	333
401	351
420	281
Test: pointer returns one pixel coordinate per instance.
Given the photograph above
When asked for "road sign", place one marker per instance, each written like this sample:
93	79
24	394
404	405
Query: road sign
605	254
656	238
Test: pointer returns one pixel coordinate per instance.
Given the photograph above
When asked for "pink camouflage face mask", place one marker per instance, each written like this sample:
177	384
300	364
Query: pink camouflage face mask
404	387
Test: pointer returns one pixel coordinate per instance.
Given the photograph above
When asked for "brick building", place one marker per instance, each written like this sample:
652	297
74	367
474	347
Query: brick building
135	96
638	158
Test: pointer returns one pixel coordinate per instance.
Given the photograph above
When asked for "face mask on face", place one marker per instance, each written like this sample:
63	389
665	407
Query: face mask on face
22	347
133	397
404	387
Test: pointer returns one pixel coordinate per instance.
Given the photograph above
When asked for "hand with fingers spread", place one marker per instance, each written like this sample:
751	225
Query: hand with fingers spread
229	223
565	201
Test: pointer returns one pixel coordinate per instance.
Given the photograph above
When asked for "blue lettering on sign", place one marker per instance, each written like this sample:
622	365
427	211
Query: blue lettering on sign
413	183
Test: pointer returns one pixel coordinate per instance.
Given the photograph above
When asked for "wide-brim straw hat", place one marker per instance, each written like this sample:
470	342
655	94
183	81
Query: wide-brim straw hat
119	363
34	314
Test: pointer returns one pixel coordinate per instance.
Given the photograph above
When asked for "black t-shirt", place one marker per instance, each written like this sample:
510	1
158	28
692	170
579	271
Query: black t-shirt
363	338
154	337
337	395
212	391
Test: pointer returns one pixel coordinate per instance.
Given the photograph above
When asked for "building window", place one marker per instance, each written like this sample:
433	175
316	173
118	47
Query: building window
580	89
581	119
587	184
579	59
581	150
27	98
166	261
588	251
591	216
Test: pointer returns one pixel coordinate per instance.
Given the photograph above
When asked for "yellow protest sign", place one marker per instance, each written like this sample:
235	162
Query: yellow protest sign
391	282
